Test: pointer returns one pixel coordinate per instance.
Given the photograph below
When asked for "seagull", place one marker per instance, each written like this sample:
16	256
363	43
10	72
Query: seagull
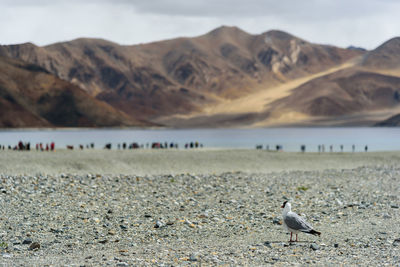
294	223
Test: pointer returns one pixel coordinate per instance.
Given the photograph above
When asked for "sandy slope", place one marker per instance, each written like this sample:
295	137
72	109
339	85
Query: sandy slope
258	101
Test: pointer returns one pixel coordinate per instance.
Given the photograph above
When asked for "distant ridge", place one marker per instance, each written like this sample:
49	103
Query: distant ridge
225	77
357	48
31	97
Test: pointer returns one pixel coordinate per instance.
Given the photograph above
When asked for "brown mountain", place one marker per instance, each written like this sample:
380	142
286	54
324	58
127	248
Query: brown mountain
345	92
188	77
386	56
365	93
32	97
393	121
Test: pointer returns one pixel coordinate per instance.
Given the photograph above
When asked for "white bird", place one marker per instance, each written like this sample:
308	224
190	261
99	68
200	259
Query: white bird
294	223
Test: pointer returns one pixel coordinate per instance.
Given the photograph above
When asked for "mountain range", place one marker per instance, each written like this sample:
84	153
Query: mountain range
224	78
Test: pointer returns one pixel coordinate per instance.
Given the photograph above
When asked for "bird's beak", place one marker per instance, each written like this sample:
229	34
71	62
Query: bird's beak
282	206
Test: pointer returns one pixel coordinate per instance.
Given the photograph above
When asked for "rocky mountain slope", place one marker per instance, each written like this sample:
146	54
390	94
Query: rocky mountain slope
393	121
32	97
369	90
228	77
184	75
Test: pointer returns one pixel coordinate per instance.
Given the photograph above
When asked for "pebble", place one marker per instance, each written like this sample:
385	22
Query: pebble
277	220
34	246
27	242
102	218
193	257
159	224
339	202
267	244
314	246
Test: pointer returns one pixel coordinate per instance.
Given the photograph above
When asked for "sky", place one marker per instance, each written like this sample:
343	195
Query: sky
362	23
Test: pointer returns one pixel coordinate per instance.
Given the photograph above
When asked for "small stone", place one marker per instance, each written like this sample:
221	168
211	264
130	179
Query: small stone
27	241
103	241
277	220
387	216
336	245
193	257
159	224
7	255
123	227
56	231
396	242
190	224
34	246
111	232
314	246
394	206
122	264
275	258
267	244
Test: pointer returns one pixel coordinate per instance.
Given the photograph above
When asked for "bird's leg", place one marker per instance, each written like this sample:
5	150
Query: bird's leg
296	238
291	237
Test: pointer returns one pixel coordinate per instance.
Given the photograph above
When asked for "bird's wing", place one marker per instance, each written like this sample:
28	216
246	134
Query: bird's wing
296	222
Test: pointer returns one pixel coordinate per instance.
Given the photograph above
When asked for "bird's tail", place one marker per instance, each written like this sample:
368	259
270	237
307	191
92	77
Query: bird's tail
313	232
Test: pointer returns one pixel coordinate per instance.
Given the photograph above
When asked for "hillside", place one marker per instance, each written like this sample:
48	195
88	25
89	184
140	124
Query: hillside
224	78
393	121
384	57
32	97
185	75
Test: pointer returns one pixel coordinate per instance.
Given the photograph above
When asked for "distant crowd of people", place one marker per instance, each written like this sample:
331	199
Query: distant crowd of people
267	147
154	145
26	146
81	147
321	148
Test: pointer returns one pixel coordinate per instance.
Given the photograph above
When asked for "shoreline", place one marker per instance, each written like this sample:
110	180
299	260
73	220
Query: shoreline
198	161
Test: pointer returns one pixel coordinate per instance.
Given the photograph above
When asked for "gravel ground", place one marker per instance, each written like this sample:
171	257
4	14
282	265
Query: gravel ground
202	161
227	213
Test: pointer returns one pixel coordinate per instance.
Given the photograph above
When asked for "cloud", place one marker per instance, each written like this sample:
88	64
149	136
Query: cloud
337	22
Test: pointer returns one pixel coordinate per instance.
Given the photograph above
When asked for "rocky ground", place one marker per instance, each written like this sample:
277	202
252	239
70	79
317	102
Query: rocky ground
225	219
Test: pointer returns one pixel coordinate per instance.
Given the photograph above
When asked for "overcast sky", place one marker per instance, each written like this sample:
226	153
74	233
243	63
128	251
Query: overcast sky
365	23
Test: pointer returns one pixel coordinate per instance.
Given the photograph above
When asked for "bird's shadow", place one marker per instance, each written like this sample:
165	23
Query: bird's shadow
287	242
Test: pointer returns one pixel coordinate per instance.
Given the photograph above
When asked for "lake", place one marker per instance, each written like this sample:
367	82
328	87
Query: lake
377	139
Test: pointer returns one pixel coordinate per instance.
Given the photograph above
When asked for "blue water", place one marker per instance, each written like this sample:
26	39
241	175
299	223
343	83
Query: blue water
377	139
